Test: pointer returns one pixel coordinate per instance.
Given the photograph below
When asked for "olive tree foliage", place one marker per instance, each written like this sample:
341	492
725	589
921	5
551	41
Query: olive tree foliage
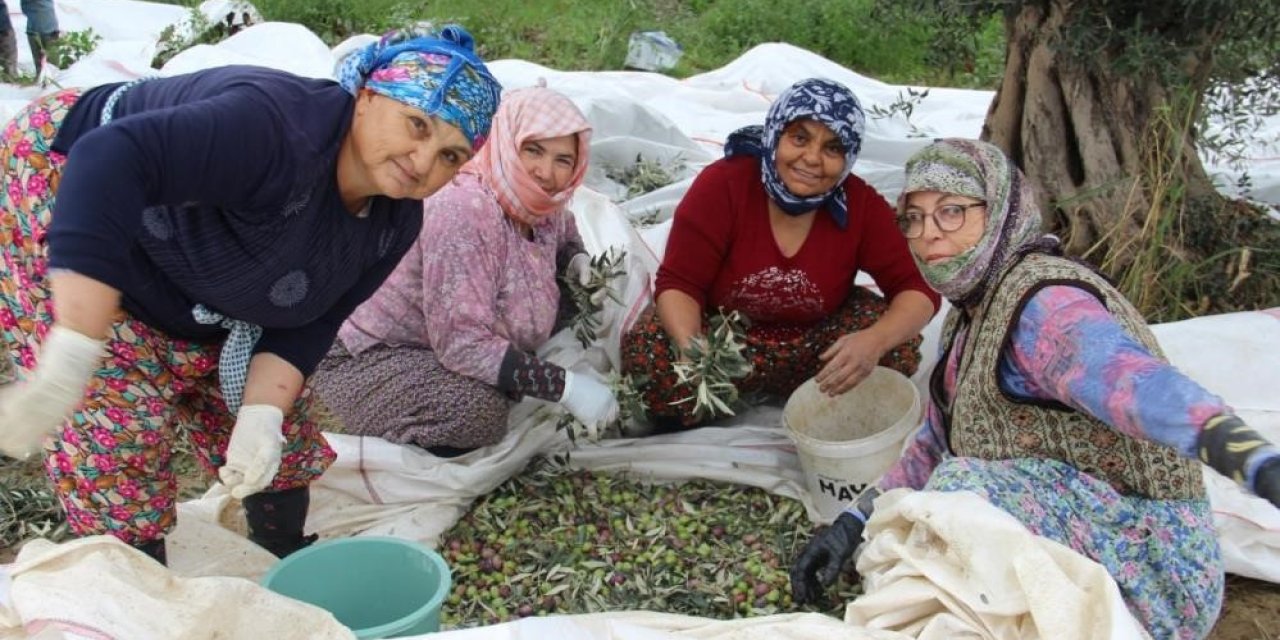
1103	103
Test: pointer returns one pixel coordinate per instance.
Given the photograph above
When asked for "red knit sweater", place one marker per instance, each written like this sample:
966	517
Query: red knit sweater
722	250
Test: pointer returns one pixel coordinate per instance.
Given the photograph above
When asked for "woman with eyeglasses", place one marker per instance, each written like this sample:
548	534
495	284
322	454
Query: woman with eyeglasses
1052	401
776	230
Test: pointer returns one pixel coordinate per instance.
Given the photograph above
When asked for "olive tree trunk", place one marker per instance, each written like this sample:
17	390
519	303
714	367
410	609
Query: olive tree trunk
1086	134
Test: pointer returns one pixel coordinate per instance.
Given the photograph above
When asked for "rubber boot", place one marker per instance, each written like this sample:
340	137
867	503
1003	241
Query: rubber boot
40	46
9	54
276	520
155	549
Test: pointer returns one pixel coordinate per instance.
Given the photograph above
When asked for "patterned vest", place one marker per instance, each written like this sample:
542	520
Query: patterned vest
983	422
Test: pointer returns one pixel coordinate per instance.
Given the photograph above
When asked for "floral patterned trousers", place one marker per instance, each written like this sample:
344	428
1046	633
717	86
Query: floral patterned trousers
781	357
111	463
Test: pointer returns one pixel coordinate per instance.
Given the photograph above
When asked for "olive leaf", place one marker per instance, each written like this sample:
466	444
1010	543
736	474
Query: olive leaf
554	540
589	299
646	175
29	512
710	366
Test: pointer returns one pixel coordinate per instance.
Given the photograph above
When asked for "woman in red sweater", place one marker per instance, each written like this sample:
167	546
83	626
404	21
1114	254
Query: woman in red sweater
777	230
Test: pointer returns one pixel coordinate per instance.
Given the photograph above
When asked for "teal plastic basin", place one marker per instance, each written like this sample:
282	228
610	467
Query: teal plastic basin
378	587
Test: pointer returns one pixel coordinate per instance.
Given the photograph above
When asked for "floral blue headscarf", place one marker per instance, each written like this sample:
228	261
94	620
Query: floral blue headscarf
824	101
437	72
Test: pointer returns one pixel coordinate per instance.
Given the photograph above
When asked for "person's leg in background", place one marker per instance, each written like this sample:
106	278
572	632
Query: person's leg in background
42	28
8	44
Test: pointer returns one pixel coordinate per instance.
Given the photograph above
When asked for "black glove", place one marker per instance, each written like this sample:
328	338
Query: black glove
1226	444
821	560
1266	483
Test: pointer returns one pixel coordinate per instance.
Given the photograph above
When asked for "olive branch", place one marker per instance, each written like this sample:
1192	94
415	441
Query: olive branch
589	299
711	364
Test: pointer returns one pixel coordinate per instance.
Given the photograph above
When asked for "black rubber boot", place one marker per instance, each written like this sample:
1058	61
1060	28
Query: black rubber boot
276	520
8	54
40	46
155	549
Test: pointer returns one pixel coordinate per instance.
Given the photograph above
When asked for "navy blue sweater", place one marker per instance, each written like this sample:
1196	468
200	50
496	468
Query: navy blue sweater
220	188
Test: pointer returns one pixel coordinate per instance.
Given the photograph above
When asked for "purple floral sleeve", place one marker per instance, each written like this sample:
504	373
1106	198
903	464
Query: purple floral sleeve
1068	347
470	286
484	287
461	273
927	448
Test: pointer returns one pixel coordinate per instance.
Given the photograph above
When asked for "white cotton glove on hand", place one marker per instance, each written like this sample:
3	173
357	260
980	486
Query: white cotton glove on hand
32	410
579	268
253	455
591	402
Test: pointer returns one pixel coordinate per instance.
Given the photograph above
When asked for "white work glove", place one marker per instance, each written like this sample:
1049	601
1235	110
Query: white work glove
31	410
591	402
579	268
253	455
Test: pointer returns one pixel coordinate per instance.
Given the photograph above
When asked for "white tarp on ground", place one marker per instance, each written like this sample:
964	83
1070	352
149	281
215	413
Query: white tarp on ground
380	488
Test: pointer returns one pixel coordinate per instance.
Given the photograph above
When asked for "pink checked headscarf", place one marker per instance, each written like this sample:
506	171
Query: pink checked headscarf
532	113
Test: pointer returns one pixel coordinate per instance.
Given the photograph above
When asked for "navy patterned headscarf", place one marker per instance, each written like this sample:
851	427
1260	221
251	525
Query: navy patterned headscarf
824	101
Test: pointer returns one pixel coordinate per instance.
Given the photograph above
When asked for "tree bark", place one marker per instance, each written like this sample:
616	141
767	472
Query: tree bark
1086	135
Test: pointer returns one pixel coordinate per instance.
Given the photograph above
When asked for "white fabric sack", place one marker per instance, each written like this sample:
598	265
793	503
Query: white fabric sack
379	488
947	565
100	588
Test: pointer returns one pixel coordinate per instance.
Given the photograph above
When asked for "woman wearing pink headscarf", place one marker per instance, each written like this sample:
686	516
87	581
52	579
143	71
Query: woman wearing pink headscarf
438	354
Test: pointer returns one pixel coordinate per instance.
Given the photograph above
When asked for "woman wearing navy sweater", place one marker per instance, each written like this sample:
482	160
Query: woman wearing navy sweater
210	233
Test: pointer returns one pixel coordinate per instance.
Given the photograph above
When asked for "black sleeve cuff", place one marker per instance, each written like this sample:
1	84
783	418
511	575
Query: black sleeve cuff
522	374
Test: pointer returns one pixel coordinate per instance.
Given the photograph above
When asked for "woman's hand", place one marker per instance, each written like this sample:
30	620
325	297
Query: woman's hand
254	451
579	268
1266	483
849	360
590	401
32	410
819	564
853	356
72	352
257	439
681	317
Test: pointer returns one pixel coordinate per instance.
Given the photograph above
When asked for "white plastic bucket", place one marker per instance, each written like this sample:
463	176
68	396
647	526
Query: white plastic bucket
846	442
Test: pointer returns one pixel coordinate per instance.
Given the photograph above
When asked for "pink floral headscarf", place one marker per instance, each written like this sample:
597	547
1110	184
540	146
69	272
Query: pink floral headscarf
532	113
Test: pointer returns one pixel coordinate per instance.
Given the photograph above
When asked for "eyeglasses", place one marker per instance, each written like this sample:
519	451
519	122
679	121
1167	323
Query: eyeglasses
948	217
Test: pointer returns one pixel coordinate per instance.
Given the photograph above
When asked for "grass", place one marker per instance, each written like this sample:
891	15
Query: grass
593	34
